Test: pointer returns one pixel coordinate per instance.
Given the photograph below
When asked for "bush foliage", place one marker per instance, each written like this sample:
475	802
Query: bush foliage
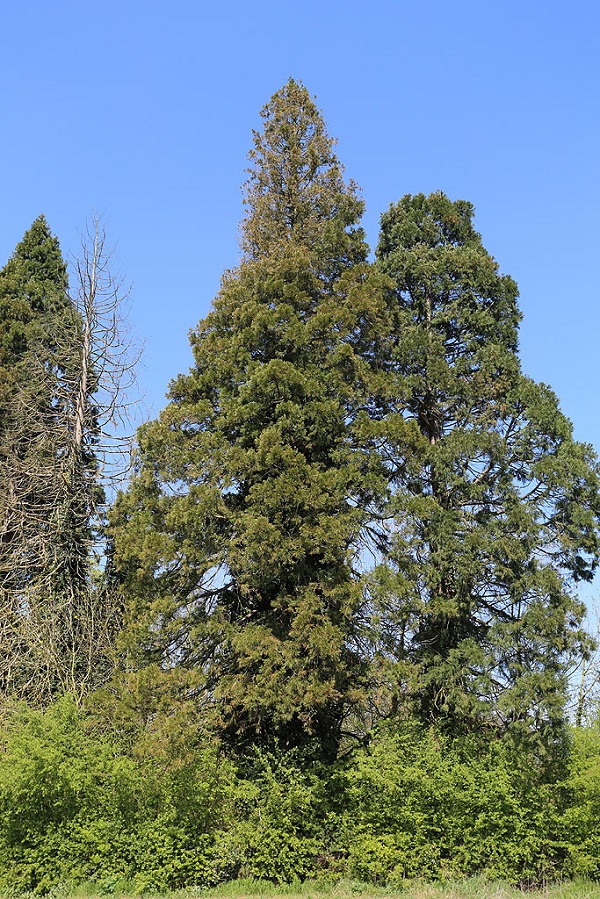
79	805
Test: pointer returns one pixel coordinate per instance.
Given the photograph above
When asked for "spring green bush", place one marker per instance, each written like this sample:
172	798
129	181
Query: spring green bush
421	806
167	810
281	808
73	806
582	813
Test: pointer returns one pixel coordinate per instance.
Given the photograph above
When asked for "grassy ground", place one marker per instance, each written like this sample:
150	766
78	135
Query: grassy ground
467	889
474	888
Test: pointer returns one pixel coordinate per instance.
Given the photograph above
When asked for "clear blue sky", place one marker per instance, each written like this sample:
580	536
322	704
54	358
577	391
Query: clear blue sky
144	110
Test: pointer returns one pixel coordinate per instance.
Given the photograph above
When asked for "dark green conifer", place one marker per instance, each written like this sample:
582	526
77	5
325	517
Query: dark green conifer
33	293
495	505
239	537
48	479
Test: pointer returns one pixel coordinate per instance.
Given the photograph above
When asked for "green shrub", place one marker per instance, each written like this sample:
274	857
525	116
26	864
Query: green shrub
74	807
280	812
169	812
422	806
581	817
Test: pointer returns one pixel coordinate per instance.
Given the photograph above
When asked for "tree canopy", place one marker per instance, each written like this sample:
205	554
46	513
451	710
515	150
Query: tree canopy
240	531
495	505
356	477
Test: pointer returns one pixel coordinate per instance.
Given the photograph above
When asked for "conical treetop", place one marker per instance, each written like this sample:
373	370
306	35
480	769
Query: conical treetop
295	192
36	272
33	289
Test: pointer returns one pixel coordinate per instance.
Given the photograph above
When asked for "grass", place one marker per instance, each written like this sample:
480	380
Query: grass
472	888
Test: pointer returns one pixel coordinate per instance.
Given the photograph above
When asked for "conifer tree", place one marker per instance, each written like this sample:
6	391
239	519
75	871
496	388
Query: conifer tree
35	313
495	505
239	536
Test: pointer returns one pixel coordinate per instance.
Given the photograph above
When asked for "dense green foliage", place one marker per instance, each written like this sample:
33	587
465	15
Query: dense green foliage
36	316
340	414
238	538
496	505
33	293
43	536
346	566
77	803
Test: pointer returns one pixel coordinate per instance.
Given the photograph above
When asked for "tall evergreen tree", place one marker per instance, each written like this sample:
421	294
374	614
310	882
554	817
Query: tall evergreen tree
33	301
35	314
495	505
239	537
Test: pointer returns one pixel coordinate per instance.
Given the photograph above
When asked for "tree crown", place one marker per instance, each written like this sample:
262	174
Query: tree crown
295	192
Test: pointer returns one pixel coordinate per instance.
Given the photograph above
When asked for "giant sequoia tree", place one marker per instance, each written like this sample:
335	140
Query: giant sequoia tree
35	315
495	506
239	537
